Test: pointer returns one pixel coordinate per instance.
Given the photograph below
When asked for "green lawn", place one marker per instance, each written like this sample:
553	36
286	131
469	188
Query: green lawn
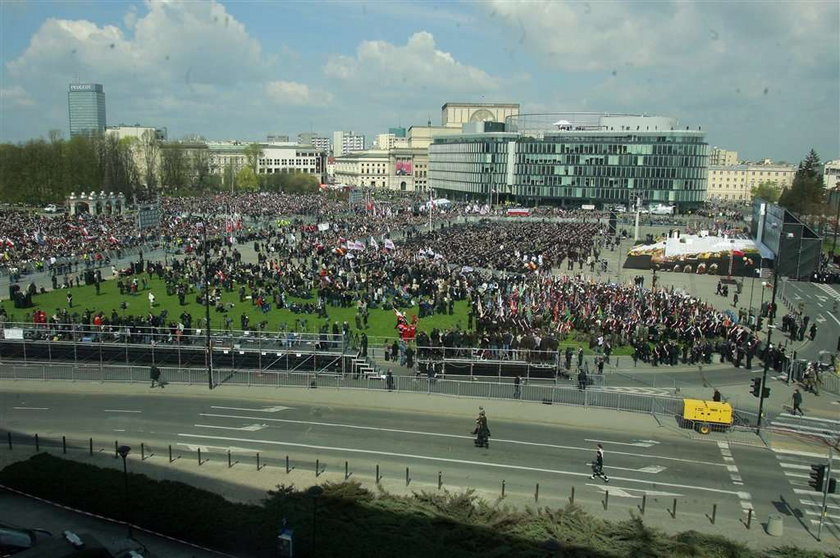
380	324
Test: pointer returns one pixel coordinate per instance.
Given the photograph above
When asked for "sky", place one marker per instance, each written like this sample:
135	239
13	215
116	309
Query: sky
762	78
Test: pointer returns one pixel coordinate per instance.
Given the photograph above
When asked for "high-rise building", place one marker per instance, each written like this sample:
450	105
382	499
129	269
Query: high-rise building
86	106
346	142
315	140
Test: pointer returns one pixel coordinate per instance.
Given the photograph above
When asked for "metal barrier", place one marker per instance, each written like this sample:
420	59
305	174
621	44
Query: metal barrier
541	393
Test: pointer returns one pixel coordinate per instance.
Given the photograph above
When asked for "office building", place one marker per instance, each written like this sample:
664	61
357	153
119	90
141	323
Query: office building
404	169
346	142
454	115
722	157
736	182
315	140
831	174
277	138
276	159
142	133
86	107
574	159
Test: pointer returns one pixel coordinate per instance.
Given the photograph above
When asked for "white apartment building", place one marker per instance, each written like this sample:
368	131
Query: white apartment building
292	158
735	182
315	140
144	133
224	154
831	174
389	141
347	142
722	157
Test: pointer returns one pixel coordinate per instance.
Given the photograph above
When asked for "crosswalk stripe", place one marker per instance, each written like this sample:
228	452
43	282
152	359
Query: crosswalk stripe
797	475
817	419
795	466
818	504
799	453
829	515
802	427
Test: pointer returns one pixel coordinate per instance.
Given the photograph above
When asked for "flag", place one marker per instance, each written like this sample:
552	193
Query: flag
39	238
323	227
374	244
389	244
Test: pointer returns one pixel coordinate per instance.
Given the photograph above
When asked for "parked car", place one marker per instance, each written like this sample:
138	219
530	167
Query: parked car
14	540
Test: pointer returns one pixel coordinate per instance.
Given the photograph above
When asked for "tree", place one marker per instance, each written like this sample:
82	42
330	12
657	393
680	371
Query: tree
200	170
174	169
768	191
246	179
805	196
151	155
253	152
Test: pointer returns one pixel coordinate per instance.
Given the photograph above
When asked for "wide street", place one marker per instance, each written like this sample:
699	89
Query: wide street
651	463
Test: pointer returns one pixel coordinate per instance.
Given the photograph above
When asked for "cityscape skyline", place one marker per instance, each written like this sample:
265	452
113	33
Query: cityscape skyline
749	78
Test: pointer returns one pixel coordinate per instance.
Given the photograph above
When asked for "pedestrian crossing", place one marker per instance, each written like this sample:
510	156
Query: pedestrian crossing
824	429
796	467
636	390
827	290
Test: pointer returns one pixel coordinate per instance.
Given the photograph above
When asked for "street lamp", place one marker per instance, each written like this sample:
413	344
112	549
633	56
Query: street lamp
123	452
209	347
836	216
314	492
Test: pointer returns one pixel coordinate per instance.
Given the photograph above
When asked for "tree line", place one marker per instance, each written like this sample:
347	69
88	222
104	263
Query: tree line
47	170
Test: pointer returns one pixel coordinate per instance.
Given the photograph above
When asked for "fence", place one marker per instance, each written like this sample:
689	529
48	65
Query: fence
546	393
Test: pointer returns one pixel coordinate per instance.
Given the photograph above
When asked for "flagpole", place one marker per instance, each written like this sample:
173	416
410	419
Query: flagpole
430	209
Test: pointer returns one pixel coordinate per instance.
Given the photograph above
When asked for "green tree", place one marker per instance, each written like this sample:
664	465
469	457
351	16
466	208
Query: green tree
246	179
768	191
174	169
805	196
253	152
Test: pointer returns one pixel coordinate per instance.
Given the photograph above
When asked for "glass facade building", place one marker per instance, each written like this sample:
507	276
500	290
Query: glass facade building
573	167
86	104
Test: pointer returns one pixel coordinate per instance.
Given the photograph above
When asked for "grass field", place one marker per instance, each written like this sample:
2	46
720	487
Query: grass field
380	324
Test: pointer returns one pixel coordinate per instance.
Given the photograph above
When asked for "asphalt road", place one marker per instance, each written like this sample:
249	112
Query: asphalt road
531	444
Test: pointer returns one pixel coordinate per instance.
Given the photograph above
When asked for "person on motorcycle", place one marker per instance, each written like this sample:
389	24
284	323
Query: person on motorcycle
481	431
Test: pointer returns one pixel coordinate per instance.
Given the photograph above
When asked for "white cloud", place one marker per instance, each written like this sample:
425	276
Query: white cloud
16	96
293	93
419	64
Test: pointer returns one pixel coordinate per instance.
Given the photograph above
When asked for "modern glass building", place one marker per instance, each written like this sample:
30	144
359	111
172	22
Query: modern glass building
573	160
86	104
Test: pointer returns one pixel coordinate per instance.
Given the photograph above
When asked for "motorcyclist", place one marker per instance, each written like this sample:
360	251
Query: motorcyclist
481	431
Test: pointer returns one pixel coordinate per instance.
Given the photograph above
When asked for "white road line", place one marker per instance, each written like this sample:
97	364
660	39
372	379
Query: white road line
457	436
459	461
800	453
119	429
828	515
803	428
120	411
814	419
249	428
795	466
637	443
274	409
796	475
818	505
32	408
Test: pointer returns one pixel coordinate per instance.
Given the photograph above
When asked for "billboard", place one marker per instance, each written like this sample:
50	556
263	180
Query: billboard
404	168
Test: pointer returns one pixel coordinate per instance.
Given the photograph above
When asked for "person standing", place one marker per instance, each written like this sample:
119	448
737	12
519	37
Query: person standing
517	386
598	464
797	403
582	379
154	374
716	397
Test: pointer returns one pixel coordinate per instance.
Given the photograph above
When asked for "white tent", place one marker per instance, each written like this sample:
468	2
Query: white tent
561	124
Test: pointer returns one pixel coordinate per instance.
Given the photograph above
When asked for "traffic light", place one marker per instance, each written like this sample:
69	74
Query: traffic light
832	486
817	477
756	387
765	393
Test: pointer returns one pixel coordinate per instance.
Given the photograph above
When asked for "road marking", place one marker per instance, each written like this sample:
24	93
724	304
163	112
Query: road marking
457	436
802	427
828	515
623	491
32	408
636	443
119	429
794	466
818	504
817	419
799	453
263	410
459	461
249	428
121	411
232	449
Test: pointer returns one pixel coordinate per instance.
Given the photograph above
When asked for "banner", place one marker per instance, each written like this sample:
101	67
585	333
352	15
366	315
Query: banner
389	244
323	227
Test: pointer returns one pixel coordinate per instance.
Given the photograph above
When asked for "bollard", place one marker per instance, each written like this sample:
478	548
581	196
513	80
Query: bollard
407	480
714	513
440	479
674	510
537	493
572	497
287	464
91	446
116	450
229	463
142	451
199	457
170	453
258	461
37	444
64	444
644	504
503	489
317	467
749	518
377	473
346	471
9	436
606	499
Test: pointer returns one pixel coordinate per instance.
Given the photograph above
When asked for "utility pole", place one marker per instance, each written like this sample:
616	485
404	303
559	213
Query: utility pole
207	306
638	208
770	319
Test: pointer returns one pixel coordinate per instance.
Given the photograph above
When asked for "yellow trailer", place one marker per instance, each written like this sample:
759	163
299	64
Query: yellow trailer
704	415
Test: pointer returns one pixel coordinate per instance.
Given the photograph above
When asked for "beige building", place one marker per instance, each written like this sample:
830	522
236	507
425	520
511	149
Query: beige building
454	115
722	157
404	169
735	182
831	174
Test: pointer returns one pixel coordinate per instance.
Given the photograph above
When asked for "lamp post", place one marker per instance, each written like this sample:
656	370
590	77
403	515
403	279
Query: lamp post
770	319
123	452
836	216
314	492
